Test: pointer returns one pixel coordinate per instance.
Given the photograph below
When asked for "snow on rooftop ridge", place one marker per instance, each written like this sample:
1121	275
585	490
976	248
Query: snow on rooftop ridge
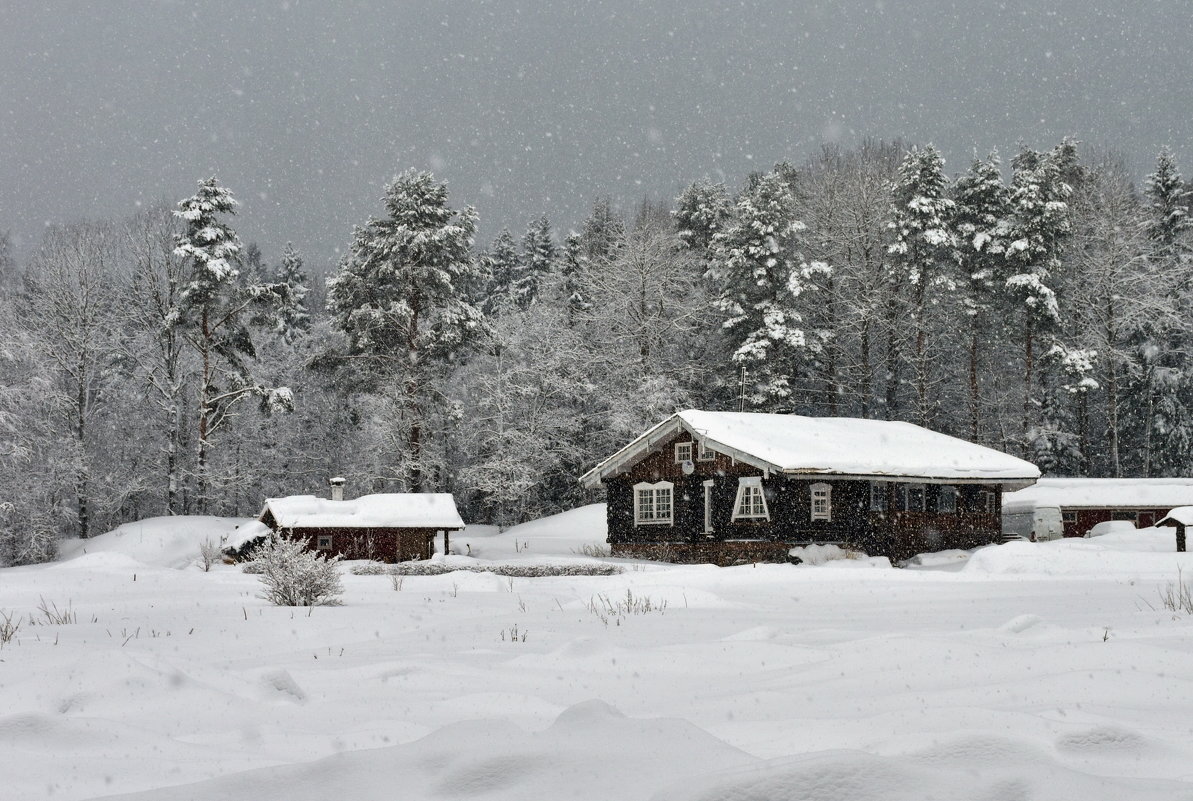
382	510
832	446
1104	492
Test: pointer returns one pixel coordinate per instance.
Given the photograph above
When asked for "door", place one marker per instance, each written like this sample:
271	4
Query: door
708	485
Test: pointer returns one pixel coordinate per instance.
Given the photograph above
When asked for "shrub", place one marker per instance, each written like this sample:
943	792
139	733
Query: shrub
209	554
294	576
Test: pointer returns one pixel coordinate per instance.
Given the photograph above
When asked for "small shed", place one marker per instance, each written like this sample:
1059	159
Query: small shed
386	527
1179	518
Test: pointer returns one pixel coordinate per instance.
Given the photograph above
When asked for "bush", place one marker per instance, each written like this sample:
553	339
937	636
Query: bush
209	554
294	576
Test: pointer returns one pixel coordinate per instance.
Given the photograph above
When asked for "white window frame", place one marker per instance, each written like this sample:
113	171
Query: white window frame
907	497
683	447
821	492
705	453
323	542
989	501
878	496
708	503
750	487
951	492
655	490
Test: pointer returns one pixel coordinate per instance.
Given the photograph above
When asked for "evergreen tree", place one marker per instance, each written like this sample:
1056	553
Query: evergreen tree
215	313
1168	223
537	265
398	297
979	224
252	270
293	319
1037	228
604	230
503	266
570	273
701	211
920	253
758	276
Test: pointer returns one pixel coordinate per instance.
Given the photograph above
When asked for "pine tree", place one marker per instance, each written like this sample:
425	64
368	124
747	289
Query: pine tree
293	318
979	224
215	313
604	230
537	264
758	275
701	211
503	266
1037	229
398	297
920	253
571	275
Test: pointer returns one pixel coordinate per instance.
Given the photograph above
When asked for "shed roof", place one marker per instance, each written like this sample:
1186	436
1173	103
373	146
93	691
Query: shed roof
384	510
792	444
1103	493
1182	515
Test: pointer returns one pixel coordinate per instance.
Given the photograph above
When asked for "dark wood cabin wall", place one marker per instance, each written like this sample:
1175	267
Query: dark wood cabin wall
379	544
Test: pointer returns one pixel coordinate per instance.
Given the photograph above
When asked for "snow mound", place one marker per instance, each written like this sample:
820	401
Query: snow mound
1104	741
1020	624
170	542
830	555
568	534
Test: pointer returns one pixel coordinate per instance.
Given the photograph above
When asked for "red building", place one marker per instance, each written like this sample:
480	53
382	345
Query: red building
1085	502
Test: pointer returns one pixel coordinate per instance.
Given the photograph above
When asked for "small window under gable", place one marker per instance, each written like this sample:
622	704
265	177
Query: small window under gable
683	452
707	454
946	501
877	496
751	500
654	503
822	501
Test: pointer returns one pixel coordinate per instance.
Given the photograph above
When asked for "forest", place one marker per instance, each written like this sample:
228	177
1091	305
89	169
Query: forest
162	364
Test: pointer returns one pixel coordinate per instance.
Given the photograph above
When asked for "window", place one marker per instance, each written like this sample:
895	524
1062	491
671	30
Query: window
1068	517
707	454
652	503
913	498
877	496
946	501
822	501
683	452
989	502
1123	515
323	542
751	501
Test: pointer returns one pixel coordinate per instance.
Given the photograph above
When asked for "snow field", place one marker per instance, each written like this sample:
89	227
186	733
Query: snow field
988	681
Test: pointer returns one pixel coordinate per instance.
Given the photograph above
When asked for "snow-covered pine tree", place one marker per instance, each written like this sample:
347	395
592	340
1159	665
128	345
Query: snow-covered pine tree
252	269
397	296
758	275
537	265
215	313
604	230
571	267
1037	228
293	317
701	211
920	255
503	266
979	226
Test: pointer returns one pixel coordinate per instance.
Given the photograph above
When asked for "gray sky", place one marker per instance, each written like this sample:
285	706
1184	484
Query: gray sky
305	109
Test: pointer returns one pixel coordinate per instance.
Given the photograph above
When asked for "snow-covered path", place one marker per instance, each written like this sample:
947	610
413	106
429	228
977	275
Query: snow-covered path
1032	671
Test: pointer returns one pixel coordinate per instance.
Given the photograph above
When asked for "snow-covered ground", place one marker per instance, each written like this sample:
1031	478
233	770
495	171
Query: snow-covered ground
1024	671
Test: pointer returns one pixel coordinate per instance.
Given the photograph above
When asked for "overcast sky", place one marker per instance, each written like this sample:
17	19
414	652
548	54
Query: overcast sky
305	109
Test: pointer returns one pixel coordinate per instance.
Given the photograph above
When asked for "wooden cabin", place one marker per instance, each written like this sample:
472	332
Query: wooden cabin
1085	502
387	527
731	487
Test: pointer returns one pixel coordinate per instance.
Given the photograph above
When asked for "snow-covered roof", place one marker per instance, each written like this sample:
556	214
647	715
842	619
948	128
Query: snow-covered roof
384	510
792	444
1102	493
1181	514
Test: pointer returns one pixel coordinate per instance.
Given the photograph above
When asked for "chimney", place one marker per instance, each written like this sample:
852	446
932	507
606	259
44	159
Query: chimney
337	488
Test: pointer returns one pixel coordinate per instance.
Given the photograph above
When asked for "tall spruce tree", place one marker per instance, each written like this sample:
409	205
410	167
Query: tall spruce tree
1037	228
399	298
701	211
503	266
538	263
921	250
979	223
758	276
293	318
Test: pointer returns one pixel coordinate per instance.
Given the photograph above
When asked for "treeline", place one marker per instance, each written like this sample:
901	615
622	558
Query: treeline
154	365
